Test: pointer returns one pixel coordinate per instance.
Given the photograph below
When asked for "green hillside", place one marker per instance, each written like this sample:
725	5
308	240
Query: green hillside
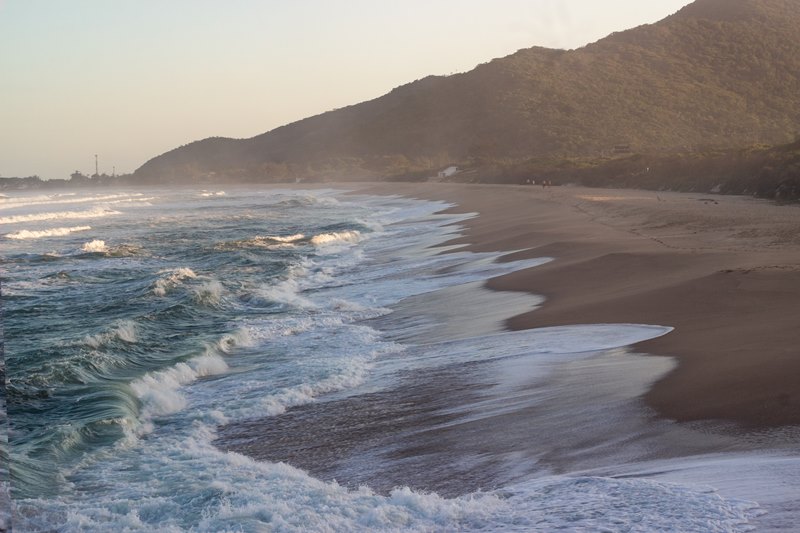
718	74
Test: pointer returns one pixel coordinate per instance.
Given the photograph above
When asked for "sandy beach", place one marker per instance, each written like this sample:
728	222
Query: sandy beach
481	400
724	271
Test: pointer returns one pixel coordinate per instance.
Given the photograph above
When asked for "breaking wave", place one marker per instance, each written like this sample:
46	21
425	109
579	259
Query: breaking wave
124	330
38	234
96	212
62	199
171	279
340	237
95	247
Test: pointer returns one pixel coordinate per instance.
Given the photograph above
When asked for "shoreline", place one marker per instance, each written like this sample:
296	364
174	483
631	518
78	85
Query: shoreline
724	271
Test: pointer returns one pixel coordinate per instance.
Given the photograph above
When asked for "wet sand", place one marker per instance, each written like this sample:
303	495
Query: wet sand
723	271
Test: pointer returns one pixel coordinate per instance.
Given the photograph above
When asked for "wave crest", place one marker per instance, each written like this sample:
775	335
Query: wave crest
174	278
124	330
95	247
38	234
337	237
97	212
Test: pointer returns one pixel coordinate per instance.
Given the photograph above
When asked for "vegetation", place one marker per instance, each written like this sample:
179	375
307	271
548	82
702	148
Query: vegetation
767	172
717	75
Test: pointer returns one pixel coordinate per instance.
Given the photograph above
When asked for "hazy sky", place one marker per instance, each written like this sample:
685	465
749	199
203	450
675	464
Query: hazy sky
131	79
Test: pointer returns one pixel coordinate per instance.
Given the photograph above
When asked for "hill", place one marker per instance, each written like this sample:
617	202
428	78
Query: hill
717	74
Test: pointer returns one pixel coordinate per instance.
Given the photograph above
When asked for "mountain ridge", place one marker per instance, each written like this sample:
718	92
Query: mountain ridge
717	73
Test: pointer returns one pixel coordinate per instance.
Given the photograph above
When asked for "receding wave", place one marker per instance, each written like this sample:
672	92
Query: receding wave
97	212
39	234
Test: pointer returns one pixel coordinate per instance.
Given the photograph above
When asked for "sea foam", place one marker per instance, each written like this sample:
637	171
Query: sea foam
96	212
171	278
95	246
160	392
39	234
341	237
124	330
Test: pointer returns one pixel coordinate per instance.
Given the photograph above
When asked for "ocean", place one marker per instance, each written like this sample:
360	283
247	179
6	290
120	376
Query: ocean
278	359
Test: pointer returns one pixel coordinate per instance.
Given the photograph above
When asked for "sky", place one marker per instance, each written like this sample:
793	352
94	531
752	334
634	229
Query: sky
131	79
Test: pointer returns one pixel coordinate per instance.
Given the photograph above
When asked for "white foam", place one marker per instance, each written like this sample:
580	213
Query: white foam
288	290
340	237
241	337
134	201
66	199
39	234
209	194
239	493
95	246
172	278
289	238
285	292
209	293
160	391
124	330
96	212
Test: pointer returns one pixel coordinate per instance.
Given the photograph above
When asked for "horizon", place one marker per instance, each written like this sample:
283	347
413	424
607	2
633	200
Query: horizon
129	81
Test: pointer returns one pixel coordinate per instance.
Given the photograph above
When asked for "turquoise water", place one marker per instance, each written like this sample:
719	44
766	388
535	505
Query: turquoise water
139	322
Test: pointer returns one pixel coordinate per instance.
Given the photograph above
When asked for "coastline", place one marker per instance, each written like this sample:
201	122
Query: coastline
723	271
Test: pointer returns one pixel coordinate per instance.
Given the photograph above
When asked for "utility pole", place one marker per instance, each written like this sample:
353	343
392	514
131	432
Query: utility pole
96	172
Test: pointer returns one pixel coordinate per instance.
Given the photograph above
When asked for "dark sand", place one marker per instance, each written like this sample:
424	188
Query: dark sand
724	271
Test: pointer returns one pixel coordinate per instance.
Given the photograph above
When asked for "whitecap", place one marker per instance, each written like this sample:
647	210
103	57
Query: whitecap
209	293
38	234
96	212
123	330
96	246
159	391
62	199
172	278
340	237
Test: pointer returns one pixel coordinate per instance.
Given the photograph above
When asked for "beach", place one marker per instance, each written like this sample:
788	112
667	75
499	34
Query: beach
399	357
724	271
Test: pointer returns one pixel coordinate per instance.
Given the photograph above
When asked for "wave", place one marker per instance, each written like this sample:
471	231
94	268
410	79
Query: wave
140	201
96	212
38	234
209	293
159	391
208	194
290	238
309	200
124	330
172	278
60	200
98	246
339	237
288	291
94	247
320	240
